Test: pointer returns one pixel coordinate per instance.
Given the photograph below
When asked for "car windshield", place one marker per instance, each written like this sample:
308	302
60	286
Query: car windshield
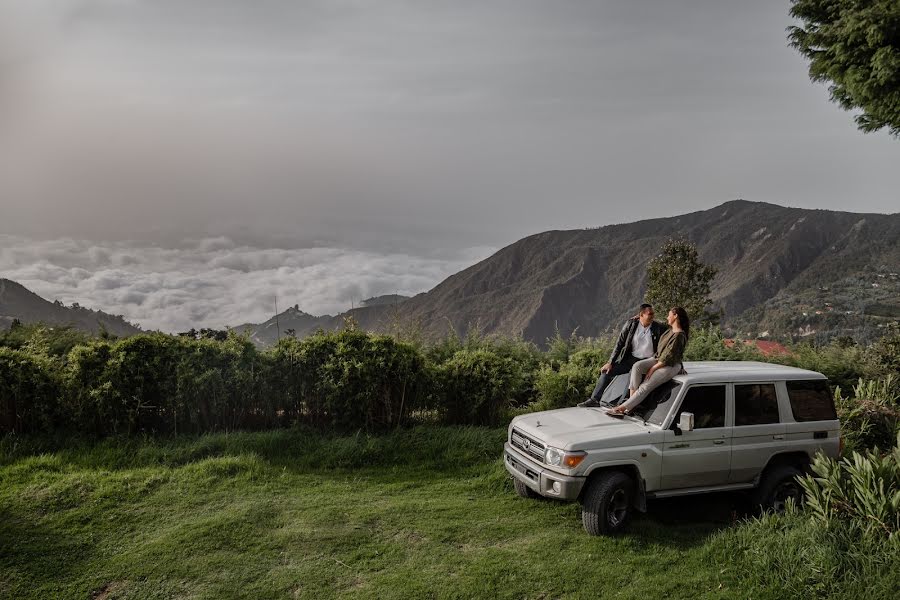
613	393
655	406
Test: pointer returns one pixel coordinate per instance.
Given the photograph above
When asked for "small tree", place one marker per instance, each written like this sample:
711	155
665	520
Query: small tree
855	46
676	277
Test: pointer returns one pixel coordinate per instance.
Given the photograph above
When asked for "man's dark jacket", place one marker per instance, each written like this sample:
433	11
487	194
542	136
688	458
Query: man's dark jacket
623	344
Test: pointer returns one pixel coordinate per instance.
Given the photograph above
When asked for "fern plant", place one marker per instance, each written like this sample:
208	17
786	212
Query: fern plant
862	489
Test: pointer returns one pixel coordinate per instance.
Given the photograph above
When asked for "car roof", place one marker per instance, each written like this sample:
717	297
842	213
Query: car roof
738	370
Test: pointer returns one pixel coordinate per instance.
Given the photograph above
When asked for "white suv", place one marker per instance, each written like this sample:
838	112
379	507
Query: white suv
721	426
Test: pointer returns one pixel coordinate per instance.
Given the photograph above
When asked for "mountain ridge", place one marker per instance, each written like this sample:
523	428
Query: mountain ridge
18	303
781	270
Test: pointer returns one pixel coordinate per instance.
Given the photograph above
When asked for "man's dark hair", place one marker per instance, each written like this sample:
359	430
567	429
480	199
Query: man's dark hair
644	307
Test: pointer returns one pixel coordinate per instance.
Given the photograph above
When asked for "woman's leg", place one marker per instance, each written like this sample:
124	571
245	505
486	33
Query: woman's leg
638	370
659	377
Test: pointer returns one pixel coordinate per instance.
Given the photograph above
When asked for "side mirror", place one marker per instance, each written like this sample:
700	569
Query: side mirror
686	422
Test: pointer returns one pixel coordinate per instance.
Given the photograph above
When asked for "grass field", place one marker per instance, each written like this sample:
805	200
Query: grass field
426	512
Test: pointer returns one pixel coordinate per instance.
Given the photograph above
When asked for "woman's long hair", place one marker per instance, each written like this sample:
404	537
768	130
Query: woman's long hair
683	320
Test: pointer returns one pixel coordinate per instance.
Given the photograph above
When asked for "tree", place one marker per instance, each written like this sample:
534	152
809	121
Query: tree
676	277
854	45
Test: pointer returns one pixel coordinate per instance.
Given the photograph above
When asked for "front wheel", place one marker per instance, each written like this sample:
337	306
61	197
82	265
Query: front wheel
607	503
522	490
778	486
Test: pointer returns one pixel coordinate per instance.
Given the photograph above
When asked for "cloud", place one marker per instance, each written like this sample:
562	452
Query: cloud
409	123
216	282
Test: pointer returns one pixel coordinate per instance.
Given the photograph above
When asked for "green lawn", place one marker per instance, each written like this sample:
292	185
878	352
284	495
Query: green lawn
422	513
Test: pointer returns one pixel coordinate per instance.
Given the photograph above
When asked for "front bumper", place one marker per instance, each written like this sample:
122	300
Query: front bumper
538	478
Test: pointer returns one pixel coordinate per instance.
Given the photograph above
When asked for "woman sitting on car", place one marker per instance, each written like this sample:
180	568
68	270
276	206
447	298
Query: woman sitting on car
661	368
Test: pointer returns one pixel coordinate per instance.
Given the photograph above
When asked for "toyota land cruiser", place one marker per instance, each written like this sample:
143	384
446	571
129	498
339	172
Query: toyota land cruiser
721	426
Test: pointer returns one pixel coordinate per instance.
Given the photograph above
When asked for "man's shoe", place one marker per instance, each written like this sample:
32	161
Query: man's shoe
589	402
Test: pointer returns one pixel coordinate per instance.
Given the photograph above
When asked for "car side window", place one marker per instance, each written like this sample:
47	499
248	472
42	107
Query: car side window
707	402
811	400
755	404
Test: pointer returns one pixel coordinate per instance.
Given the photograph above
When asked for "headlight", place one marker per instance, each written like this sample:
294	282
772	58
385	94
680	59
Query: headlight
553	456
556	457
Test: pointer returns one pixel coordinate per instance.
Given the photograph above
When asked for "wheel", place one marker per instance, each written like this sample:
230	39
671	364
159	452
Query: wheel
523	490
607	503
777	485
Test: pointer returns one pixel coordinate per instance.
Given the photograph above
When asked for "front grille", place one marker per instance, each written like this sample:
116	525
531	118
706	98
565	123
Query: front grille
528	445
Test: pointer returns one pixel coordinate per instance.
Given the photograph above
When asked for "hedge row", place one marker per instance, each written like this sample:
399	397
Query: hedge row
161	384
347	380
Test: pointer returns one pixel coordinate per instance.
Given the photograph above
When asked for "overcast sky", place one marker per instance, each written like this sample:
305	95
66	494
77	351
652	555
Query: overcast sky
432	130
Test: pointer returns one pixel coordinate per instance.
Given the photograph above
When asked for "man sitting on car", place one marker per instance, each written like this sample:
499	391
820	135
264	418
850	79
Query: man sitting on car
637	341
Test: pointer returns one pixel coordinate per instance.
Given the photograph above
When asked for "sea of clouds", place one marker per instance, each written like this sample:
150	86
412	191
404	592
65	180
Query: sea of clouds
216	282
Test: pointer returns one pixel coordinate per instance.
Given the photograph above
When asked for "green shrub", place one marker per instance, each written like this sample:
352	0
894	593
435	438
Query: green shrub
30	392
350	379
844	544
883	356
477	387
36	338
708	343
571	382
862	490
843	366
871	418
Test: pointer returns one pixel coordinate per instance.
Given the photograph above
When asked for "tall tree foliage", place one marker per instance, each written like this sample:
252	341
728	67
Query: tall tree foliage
854	45
676	277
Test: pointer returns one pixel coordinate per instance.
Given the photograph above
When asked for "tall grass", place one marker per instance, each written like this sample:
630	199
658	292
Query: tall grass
845	543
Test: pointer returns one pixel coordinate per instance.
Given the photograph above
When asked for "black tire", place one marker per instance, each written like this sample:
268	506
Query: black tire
777	485
607	503
522	490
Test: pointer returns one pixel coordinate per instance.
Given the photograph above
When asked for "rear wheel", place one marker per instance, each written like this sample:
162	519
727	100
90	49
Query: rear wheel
607	503
522	490
779	485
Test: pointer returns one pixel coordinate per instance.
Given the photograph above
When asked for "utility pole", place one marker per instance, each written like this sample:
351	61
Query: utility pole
277	326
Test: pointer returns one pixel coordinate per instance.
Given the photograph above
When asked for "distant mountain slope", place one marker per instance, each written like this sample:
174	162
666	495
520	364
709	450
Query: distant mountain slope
296	323
590	279
17	302
775	264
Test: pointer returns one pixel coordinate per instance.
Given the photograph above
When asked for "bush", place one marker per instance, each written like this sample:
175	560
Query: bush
350	379
571	382
845	544
477	387
843	366
871	418
55	341
708	343
862	490
30	392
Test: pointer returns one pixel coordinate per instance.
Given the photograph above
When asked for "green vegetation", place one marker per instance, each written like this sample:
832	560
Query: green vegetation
845	544
423	512
855	47
359	487
676	277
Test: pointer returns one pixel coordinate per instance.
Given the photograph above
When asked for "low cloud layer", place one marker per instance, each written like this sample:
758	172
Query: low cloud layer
216	282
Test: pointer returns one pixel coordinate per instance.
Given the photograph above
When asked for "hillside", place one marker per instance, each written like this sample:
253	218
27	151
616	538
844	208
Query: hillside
775	263
17	302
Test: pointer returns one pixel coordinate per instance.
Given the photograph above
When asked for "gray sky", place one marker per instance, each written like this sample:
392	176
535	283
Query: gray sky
408	127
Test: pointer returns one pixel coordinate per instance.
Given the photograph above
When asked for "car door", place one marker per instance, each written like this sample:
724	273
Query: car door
701	457
758	430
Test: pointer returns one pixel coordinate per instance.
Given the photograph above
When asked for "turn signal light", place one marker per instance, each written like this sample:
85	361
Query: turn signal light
573	460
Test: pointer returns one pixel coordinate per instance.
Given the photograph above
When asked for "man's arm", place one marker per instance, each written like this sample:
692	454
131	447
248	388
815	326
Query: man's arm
621	342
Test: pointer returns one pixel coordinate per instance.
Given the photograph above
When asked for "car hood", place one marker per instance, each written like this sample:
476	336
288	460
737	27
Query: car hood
582	428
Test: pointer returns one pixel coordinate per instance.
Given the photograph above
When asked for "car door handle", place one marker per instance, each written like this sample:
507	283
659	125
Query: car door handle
680	446
778	437
718	442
